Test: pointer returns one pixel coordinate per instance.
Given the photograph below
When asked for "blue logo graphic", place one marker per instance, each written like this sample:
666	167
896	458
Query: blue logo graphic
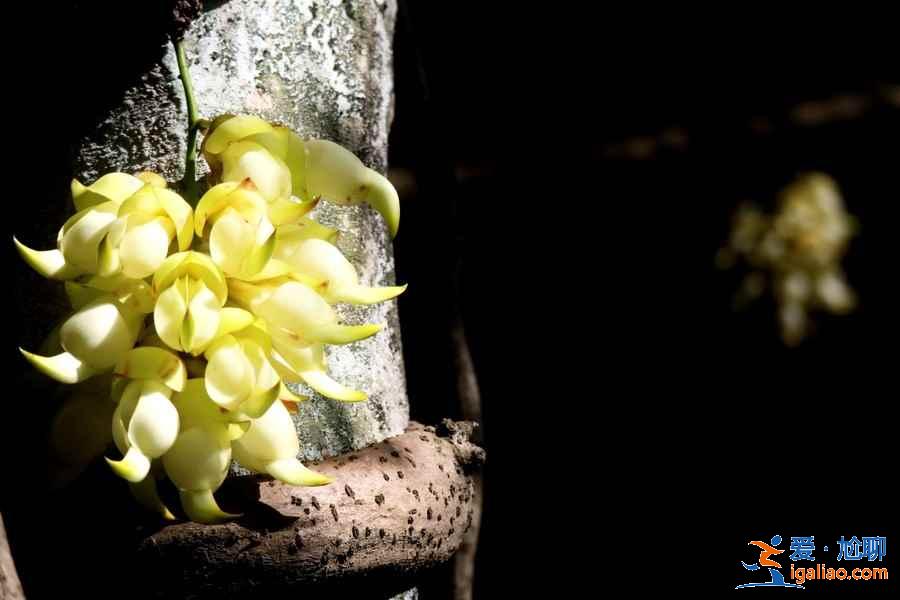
766	550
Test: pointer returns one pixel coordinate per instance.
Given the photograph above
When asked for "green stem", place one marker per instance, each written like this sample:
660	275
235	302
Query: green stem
189	184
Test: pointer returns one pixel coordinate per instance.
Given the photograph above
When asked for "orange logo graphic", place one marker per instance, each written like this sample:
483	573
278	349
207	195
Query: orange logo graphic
767	551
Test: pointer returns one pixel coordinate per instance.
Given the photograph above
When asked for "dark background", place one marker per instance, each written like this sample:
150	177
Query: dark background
575	171
583	165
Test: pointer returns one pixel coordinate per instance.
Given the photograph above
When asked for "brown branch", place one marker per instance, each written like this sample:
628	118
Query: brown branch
10	586
811	113
395	509
470	404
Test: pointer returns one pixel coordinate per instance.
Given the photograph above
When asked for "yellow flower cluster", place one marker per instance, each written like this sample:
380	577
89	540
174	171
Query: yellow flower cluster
240	292
796	252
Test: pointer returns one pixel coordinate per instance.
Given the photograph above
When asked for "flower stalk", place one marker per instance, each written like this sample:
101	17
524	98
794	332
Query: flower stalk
189	183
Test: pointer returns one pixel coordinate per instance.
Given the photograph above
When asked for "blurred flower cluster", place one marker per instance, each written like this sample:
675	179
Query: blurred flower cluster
188	321
795	252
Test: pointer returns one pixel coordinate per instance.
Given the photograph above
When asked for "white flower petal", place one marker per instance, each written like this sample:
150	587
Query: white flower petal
143	249
98	335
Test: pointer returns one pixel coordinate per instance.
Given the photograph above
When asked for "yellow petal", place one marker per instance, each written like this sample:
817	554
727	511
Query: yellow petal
295	307
332	333
138	296
133	467
258	404
171	269
248	160
169	313
270	437
229	375
117	388
201	507
147	362
199	459
265	376
258	334
296	162
336	174
231	130
109	262
230	241
381	195
147	495
154	179
328	387
267	384
290	470
275	140
291	235
80	244
276	268
198	266
115	187
180	214
107	207
48	263
195	407
237	430
144	202
143	249
323	261
286	210
248	294
154	424
360	294
212	202
81	295
98	334
307	363
202	320
233	319
123	412
258	257
287	395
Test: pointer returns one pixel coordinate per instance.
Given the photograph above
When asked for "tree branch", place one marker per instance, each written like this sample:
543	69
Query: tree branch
10	587
470	405
395	509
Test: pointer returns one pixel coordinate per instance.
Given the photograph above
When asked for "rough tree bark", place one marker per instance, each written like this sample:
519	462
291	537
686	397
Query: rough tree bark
10	587
396	508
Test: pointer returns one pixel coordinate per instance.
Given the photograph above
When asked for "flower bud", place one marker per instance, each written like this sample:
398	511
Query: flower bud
192	291
271	446
282	164
145	426
323	262
92	340
295	307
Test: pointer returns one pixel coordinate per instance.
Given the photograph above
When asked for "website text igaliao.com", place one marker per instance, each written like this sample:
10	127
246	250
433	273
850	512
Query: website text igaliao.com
820	572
